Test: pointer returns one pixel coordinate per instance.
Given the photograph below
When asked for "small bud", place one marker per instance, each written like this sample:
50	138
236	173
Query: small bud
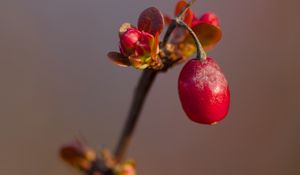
128	41
143	47
140	47
78	155
209	18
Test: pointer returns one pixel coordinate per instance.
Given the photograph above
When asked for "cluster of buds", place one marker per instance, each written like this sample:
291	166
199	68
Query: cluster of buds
206	27
139	46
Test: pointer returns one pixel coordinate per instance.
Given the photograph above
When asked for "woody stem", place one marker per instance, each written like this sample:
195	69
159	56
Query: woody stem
141	91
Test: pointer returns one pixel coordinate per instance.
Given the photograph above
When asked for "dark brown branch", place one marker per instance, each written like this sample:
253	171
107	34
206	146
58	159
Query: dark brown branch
141	91
99	168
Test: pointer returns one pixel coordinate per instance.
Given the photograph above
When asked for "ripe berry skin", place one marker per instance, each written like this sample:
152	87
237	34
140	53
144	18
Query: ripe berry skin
203	91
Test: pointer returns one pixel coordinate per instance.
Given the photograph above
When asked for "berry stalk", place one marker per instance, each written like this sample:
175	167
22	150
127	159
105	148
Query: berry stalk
201	54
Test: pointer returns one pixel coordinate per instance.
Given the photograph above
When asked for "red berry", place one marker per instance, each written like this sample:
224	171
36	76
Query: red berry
203	91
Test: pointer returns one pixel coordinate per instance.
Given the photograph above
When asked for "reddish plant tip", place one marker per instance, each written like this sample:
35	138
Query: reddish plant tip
128	41
139	48
203	91
211	18
208	18
188	16
151	20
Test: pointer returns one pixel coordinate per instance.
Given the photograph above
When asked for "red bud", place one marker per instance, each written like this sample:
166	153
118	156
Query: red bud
128	41
210	18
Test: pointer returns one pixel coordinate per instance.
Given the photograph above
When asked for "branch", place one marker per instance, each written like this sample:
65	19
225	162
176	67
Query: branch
145	82
173	23
99	168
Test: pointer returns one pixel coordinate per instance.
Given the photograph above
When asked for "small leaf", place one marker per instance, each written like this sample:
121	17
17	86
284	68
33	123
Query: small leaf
179	35
155	47
78	155
151	21
188	16
124	27
118	59
138	62
208	34
187	49
156	61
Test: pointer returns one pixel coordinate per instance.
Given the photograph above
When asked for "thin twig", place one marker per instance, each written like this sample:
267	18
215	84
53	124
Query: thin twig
145	82
182	12
169	31
200	51
173	23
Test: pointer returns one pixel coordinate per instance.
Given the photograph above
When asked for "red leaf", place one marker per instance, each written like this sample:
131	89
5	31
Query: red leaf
188	16
151	21
208	34
118	59
155	48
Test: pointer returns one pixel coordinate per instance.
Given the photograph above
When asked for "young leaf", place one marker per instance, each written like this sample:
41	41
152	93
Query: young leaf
118	59
209	35
188	16
156	62
207	29
151	21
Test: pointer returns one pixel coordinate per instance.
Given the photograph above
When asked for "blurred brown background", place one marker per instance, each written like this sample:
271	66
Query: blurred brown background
56	84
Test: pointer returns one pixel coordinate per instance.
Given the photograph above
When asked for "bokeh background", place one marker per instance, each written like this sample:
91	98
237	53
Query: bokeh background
56	84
